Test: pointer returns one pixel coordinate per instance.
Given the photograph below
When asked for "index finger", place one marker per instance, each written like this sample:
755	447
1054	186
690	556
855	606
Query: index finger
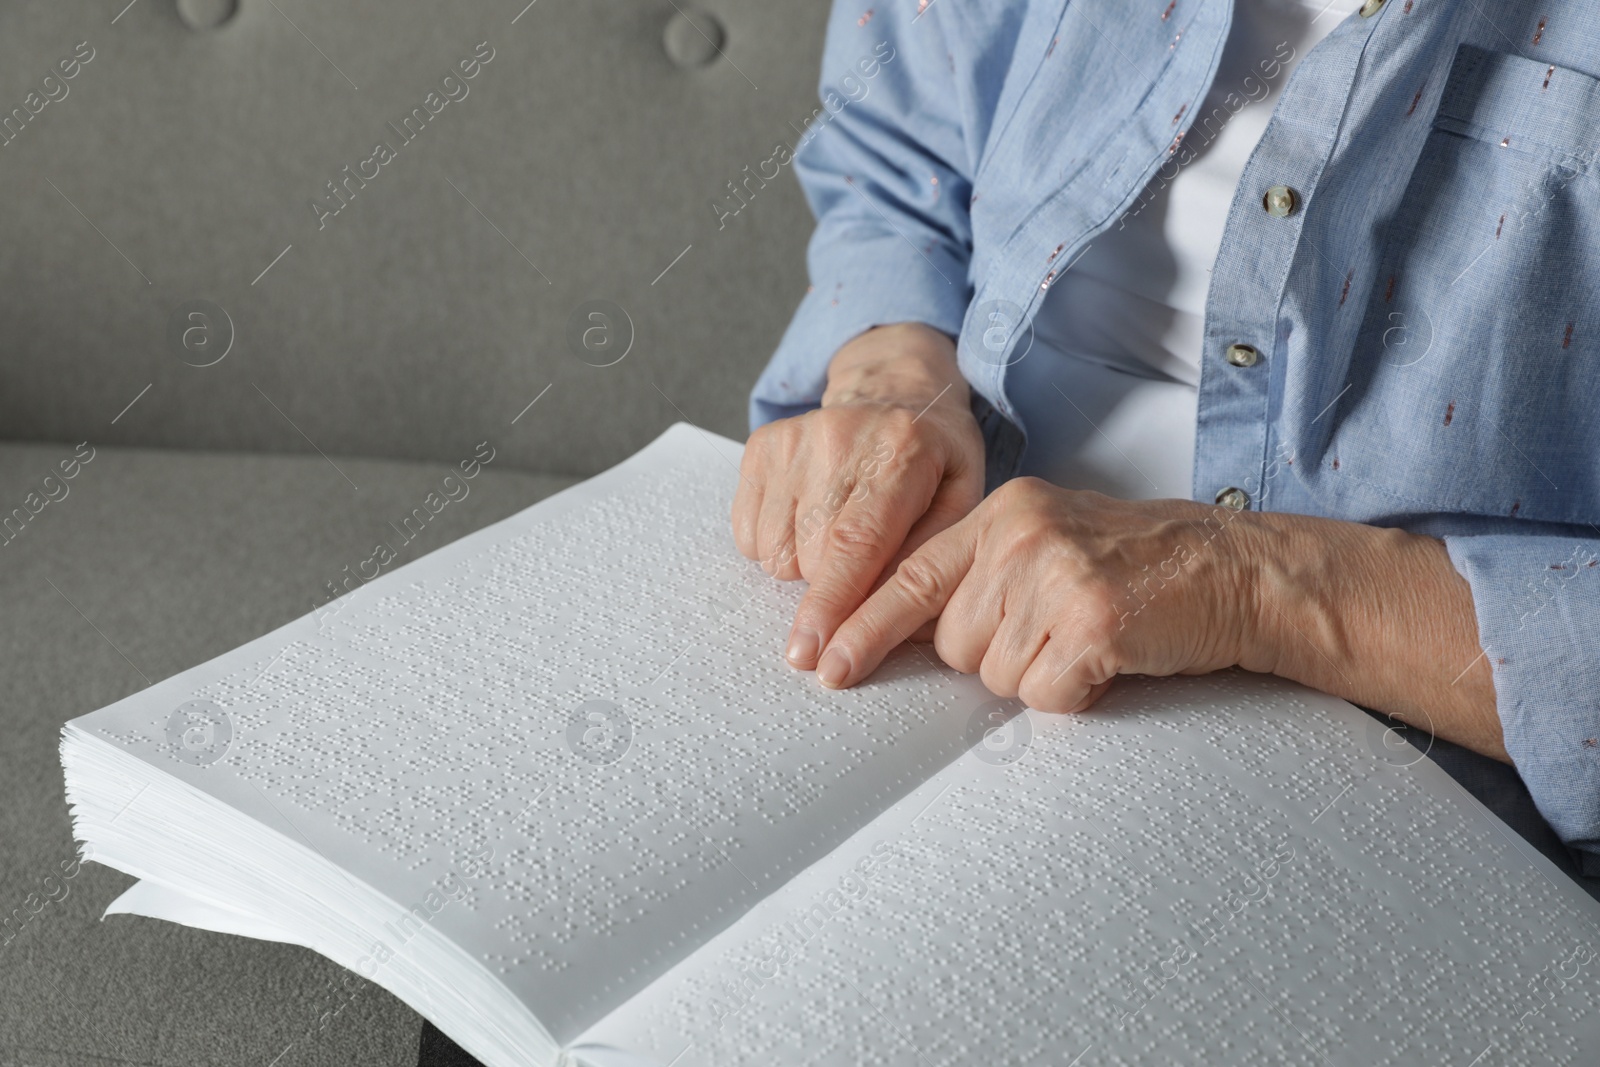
918	591
860	542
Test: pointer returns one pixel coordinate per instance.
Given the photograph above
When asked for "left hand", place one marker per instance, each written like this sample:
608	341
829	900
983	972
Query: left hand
1050	593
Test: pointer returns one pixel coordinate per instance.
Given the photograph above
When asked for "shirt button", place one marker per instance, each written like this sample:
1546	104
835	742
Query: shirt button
1370	8
1280	201
1242	356
1234	498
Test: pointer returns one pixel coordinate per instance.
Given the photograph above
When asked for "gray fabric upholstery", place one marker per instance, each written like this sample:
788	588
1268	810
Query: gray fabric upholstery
424	315
171	558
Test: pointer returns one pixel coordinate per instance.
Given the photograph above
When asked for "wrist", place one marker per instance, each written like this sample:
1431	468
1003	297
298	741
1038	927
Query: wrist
1314	579
905	363
1272	564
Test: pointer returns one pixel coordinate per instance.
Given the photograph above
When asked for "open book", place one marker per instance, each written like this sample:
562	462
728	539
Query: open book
556	788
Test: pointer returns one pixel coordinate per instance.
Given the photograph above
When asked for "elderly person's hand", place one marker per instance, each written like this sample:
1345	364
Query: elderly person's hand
1049	594
840	494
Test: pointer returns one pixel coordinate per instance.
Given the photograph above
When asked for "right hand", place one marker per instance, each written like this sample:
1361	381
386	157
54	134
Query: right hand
841	494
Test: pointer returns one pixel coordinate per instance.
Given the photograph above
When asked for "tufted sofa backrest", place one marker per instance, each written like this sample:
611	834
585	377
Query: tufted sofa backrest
385	228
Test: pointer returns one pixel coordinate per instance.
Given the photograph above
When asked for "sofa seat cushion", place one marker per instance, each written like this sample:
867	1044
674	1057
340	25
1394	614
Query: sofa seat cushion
140	565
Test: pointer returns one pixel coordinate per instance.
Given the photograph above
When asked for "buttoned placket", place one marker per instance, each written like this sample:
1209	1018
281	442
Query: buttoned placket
1242	361
1021	274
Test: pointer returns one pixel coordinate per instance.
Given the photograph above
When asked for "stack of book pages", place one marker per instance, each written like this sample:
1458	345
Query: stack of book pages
555	787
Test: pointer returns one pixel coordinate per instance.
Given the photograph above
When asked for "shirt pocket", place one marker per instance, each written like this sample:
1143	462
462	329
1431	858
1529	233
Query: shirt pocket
1475	380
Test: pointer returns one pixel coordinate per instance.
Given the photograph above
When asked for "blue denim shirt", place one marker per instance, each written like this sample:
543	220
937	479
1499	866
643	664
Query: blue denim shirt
1428	316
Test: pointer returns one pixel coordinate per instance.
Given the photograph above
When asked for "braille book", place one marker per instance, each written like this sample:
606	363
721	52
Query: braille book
556	788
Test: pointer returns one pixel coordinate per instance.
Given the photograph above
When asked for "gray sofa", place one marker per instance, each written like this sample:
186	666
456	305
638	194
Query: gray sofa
256	342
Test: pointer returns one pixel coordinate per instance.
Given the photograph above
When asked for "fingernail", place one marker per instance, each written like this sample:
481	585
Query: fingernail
804	644
834	668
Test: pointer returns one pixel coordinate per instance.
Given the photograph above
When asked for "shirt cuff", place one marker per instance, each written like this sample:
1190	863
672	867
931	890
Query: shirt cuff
1536	598
878	280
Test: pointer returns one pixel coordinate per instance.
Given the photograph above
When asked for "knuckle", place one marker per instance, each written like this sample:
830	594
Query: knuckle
1062	576
919	581
759	446
841	425
777	552
855	539
1031	485
756	442
775	522
899	422
899	437
1034	537
1017	490
810	520
953	653
770	455
1030	499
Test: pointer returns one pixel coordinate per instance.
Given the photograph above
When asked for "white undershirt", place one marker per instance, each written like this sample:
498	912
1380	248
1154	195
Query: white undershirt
1107	391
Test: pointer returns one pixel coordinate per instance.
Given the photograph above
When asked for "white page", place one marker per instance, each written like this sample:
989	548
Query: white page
1230	870
417	734
161	902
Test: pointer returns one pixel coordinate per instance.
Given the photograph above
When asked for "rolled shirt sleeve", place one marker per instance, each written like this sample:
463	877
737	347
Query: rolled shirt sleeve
1537	600
885	166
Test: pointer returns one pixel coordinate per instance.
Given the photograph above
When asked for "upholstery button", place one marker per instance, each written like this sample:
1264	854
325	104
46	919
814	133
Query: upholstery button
692	38
1234	498
1280	201
206	14
1242	355
1370	8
